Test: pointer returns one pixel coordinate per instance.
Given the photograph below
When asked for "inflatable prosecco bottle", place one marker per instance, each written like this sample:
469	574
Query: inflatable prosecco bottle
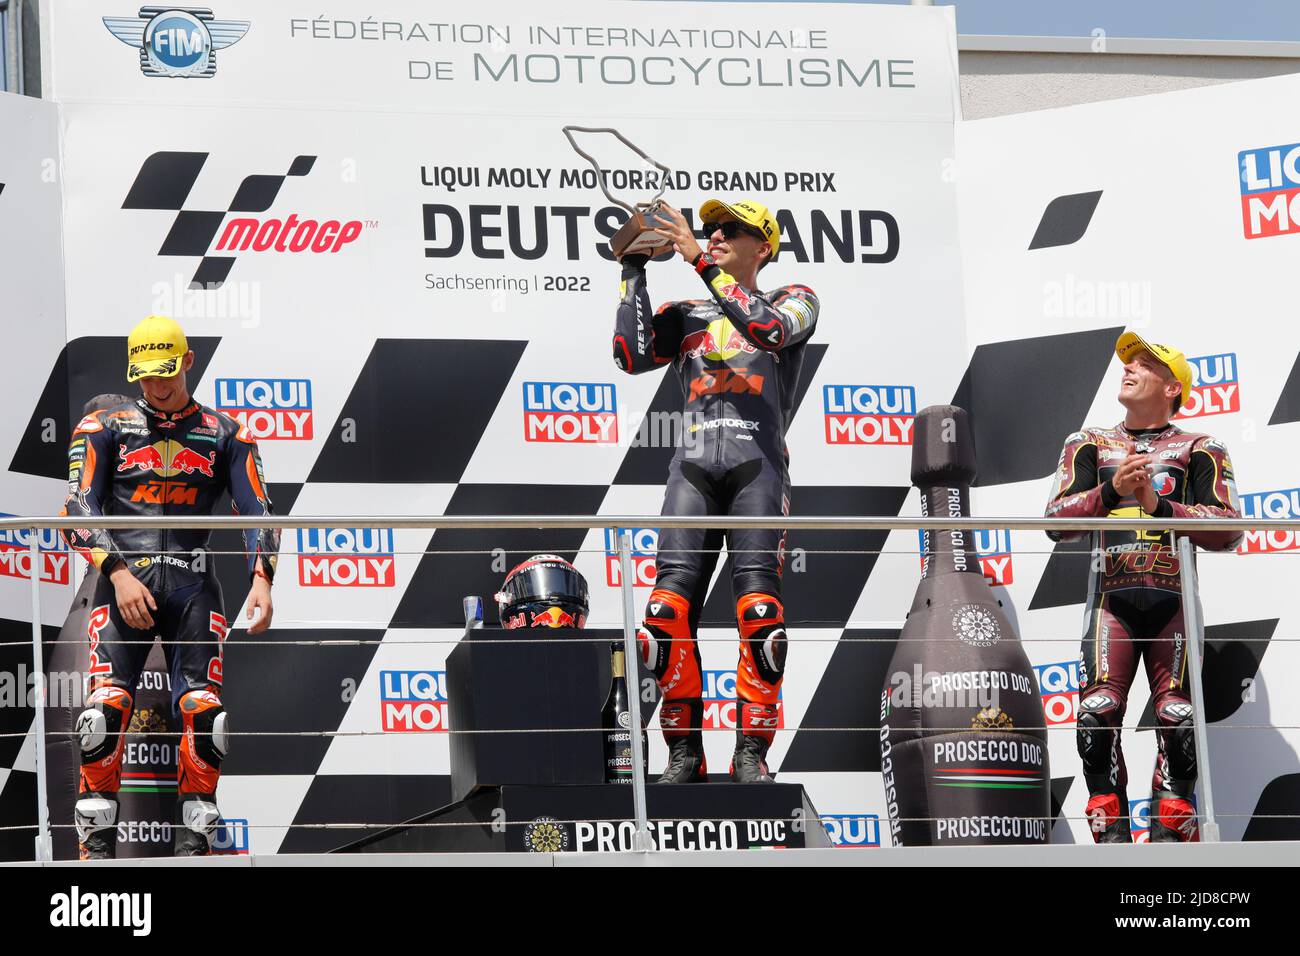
963	746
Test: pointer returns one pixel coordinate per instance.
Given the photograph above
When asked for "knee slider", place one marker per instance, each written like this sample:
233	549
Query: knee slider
1095	732
206	726
762	627
100	725
667	618
1180	738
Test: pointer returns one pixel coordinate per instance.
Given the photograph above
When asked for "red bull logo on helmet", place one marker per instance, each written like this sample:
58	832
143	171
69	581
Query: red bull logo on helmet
645	545
16	554
346	557
572	412
719	696
276	409
553	617
869	414
1058	684
718	341
1215	389
1284	503
413	701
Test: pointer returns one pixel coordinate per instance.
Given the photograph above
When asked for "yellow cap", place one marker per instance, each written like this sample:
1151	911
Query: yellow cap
1130	343
748	211
156	346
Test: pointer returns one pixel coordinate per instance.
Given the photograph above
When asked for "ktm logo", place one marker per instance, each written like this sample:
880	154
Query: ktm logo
727	381
165	493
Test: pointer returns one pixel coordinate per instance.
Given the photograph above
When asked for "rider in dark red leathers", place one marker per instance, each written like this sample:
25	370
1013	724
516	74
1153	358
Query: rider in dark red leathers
1144	466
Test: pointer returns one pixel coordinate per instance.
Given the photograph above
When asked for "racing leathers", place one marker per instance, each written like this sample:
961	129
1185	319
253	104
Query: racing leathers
132	459
1135	608
737	355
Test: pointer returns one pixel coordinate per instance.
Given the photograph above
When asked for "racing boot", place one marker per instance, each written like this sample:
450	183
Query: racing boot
1173	819
1108	823
196	824
755	728
95	816
680	721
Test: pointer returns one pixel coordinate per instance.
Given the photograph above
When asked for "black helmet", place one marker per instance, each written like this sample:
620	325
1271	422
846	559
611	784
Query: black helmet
544	591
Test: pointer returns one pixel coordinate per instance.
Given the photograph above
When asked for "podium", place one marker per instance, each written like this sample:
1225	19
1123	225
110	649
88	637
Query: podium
543	790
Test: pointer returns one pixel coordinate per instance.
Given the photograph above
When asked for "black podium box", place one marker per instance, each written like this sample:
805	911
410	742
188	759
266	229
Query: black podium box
699	816
549	684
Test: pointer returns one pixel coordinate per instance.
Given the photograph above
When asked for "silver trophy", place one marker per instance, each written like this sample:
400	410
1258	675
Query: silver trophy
637	236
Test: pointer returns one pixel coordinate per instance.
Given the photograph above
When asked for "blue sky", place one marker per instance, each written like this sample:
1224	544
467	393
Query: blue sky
1183	19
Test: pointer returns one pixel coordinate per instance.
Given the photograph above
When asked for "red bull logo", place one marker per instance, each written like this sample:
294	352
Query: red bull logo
167	458
553	617
718	342
736	294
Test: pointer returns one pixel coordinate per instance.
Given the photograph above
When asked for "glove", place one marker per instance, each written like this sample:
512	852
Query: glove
634	263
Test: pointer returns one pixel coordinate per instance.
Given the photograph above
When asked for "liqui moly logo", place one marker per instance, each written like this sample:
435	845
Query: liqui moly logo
1059	686
573	412
994	550
1270	185
869	414
54	563
1281	504
645	545
346	557
852	829
270	408
413	702
1214	387
230	838
720	702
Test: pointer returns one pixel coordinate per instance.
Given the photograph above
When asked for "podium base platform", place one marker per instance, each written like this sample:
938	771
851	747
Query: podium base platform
593	818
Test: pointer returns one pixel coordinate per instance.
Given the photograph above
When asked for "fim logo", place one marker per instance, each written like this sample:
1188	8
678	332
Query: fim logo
994	550
720	702
346	557
413	702
574	412
852	829
230	838
16	555
869	414
1214	387
1269	184
1270	504
177	41
1059	686
270	408
645	545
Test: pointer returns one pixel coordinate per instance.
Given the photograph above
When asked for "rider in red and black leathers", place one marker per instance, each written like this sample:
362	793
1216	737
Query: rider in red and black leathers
737	354
1136	609
132	459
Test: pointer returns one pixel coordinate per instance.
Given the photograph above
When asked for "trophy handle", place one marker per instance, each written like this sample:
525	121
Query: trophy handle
600	180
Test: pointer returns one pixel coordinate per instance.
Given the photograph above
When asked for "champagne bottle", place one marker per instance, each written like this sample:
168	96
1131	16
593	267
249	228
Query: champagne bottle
616	723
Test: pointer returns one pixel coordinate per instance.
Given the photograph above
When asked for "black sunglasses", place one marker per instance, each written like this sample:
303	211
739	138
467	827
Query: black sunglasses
731	229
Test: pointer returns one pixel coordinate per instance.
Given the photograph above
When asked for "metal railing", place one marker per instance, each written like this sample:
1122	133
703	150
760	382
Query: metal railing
643	840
